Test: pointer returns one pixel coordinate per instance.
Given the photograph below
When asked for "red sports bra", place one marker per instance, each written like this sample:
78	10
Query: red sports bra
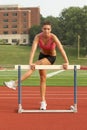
49	46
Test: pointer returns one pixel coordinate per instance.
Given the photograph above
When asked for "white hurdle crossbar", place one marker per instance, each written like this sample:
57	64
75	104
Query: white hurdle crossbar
73	108
50	67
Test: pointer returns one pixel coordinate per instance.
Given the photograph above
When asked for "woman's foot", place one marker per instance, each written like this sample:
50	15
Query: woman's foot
43	105
11	84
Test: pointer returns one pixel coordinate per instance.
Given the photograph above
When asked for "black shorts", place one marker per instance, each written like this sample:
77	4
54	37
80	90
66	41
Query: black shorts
50	58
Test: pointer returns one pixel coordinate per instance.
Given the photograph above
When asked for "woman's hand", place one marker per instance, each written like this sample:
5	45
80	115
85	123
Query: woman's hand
32	66
65	65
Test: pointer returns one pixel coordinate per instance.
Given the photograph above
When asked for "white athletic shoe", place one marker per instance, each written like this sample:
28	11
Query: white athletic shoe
10	84
43	105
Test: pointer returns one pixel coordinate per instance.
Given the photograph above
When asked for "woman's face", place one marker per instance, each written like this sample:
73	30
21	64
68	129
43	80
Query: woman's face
46	29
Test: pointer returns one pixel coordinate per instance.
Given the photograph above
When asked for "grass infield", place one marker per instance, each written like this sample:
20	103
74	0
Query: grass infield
65	78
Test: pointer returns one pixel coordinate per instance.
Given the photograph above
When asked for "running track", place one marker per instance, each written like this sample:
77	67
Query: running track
57	98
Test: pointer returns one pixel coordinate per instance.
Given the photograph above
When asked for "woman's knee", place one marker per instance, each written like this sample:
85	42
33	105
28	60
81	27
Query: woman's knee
43	77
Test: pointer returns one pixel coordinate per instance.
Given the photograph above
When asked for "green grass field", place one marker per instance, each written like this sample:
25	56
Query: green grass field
11	55
65	78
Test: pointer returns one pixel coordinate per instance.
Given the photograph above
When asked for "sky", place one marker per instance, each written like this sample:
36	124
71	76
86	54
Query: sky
47	7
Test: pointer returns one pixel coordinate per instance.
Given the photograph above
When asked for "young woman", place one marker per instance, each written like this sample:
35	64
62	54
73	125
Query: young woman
47	42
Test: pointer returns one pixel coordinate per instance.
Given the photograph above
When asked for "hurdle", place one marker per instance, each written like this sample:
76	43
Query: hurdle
72	109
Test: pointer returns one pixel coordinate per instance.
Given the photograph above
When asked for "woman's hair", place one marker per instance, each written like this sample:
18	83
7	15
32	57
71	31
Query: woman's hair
46	23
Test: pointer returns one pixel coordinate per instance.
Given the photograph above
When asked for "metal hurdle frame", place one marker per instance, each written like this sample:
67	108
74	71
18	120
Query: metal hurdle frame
73	108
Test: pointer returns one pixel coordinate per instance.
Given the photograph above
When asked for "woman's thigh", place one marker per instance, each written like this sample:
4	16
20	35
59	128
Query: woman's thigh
43	61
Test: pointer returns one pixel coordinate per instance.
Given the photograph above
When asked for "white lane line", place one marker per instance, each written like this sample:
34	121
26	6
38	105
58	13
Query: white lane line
39	98
54	73
29	94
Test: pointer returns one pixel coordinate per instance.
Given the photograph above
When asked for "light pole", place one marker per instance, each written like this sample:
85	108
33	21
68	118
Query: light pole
78	46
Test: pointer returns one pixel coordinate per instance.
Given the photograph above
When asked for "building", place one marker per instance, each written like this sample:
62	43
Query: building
15	22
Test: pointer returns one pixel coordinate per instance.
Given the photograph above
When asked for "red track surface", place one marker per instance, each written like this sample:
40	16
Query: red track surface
57	98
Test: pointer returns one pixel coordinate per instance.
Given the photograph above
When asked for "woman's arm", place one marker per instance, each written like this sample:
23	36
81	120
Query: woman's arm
33	49
61	49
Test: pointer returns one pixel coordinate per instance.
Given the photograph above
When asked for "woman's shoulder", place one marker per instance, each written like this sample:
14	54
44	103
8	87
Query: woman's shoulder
39	35
53	35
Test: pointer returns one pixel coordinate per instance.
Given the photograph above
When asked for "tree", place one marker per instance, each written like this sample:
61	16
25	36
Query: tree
32	32
35	29
73	23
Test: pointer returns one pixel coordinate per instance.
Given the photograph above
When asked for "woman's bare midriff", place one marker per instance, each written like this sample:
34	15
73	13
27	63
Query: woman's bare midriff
49	52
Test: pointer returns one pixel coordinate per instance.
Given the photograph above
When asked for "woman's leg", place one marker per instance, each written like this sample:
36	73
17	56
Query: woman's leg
43	77
42	84
25	76
13	84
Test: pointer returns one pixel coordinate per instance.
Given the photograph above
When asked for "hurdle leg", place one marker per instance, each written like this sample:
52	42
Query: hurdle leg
75	88
19	90
74	107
